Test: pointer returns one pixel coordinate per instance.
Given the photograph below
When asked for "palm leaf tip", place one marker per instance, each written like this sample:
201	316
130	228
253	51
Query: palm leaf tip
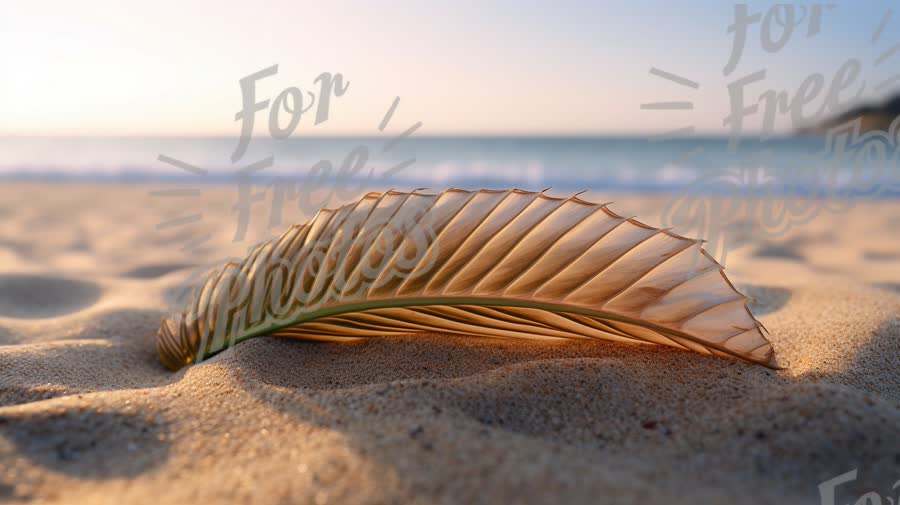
488	263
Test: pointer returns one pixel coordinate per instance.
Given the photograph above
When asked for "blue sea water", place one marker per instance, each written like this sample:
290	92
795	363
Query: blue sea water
803	165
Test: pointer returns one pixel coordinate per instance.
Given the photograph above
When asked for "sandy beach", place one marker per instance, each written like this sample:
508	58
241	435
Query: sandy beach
88	414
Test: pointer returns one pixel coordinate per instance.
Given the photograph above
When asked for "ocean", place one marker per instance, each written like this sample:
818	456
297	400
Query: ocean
805	166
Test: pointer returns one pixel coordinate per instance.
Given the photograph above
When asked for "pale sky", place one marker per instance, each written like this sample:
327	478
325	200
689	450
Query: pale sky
171	67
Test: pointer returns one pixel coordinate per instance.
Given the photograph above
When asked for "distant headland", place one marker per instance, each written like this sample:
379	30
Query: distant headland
873	117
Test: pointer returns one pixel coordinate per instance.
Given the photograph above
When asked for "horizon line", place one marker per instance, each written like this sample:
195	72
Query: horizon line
447	135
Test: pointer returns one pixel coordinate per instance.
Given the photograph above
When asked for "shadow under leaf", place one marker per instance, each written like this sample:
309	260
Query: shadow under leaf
603	410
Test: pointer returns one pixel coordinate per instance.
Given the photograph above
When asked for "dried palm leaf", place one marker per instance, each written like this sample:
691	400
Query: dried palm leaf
486	263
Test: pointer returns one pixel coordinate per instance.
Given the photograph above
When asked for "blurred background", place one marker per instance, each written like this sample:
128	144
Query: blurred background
649	96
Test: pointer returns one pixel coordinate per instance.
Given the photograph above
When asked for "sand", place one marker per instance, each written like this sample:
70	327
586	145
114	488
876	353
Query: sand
87	415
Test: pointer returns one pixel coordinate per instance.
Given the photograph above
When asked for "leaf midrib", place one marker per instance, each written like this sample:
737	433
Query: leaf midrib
477	301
